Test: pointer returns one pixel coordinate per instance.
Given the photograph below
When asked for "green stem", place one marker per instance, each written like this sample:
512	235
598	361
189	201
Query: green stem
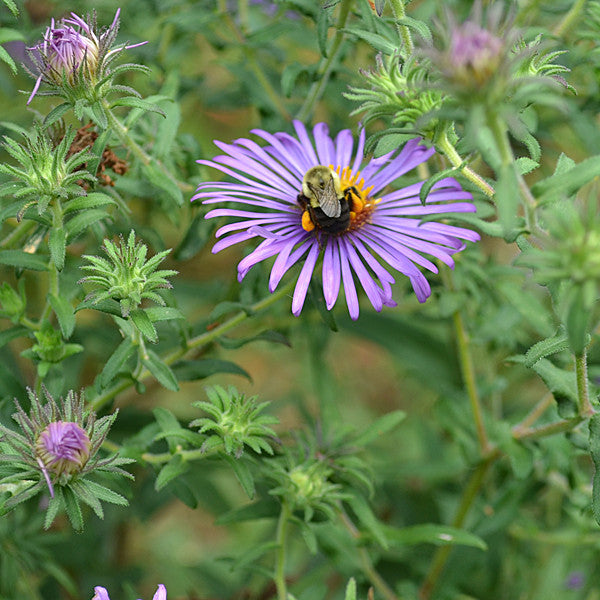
455	159
443	552
531	433
536	412
326	67
570	18
124	136
403	31
467	369
194	343
583	393
367	565
282	530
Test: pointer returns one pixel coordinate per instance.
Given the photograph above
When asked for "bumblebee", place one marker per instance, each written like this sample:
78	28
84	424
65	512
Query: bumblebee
326	206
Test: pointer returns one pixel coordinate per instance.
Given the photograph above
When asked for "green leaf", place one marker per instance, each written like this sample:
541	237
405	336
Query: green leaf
167	130
427	185
82	221
57	242
192	370
322	29
594	441
73	509
390	142
6	57
143	323
23	260
161	371
578	314
117	359
163	313
350	590
366	517
507	198
12	7
174	468
163	181
197	236
289	77
108	306
106	494
184	492
418	26
430	533
64	313
380	43
135	102
92	200
167	422
565	183
526	165
56	113
243	474
380	427
556	343
264	336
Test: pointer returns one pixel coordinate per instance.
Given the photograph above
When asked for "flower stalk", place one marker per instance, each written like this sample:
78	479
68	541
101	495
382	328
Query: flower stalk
280	553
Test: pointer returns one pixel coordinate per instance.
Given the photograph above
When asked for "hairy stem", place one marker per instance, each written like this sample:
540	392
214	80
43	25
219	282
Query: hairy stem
327	64
443	552
403	31
570	18
194	343
583	392
365	560
282	530
455	159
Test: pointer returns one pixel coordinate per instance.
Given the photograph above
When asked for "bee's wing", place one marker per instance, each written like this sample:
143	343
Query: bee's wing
328	200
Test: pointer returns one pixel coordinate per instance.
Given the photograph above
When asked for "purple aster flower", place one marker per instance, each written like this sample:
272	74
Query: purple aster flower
100	593
63	447
72	53
377	231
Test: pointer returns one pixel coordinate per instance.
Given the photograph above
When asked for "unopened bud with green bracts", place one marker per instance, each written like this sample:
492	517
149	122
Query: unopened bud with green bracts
57	449
127	276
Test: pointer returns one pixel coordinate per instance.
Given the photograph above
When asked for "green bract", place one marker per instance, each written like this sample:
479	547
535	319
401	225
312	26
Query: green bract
235	421
127	276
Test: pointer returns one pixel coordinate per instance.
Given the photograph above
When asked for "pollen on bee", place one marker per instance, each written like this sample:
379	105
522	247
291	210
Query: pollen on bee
307	223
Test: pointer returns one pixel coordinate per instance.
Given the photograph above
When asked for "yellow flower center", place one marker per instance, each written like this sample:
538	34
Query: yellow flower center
361	204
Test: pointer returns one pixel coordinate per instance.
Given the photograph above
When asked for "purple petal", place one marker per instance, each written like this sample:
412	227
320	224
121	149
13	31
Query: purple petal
366	280
287	259
324	144
305	141
349	289
304	280
161	593
100	593
331	273
343	148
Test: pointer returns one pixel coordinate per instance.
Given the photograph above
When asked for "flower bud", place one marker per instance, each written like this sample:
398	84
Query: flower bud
63	447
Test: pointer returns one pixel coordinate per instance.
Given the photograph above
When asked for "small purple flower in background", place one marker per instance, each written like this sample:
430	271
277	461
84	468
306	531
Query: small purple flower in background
102	594
63	447
376	232
74	54
575	581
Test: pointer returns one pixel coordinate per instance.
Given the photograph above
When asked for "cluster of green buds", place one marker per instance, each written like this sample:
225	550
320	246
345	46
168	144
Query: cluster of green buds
57	450
74	60
47	171
567	261
306	485
234	421
49	349
127	276
398	89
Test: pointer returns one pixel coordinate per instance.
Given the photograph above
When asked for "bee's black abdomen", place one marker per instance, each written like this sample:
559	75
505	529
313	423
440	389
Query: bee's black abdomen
321	221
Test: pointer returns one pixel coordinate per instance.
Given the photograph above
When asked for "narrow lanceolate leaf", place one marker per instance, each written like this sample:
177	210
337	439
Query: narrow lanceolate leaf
380	427
174	468
556	343
64	313
23	260
430	533
161	371
106	494
73	509
595	454
142	322
243	474
117	360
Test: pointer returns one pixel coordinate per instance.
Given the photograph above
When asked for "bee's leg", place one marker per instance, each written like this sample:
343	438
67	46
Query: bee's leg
354	200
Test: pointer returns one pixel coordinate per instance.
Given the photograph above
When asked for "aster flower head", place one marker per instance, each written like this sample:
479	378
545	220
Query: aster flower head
100	593
74	57
382	231
56	449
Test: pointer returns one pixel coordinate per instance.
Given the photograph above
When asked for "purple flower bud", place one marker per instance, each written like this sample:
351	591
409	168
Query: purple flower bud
63	447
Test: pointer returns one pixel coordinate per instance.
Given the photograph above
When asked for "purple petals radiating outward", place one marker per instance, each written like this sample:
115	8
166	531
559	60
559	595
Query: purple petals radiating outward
100	593
388	236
